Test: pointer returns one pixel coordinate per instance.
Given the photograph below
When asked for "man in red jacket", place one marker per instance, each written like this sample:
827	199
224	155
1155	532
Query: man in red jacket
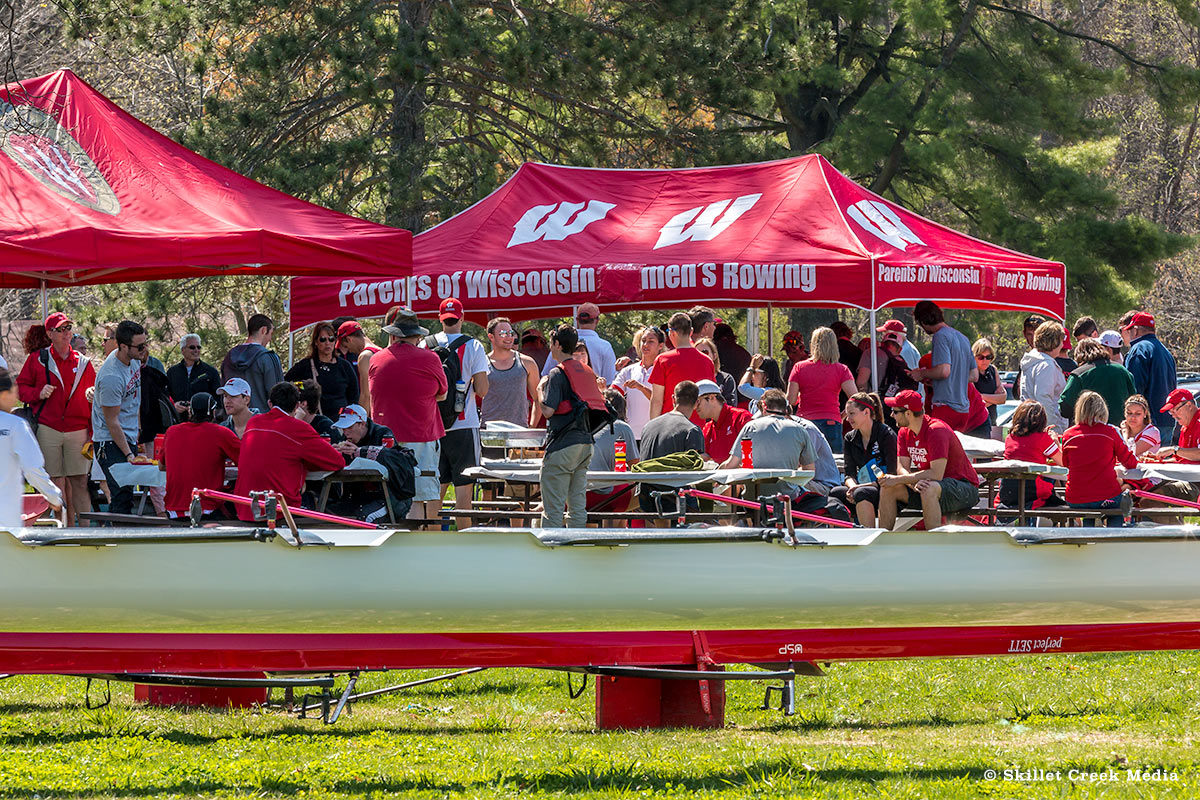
722	422
56	383
278	450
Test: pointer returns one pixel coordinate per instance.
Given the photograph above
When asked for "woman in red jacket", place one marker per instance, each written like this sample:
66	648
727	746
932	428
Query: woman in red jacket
56	383
1091	450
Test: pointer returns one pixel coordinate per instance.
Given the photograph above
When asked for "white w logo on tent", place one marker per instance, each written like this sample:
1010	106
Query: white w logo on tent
878	219
706	227
557	221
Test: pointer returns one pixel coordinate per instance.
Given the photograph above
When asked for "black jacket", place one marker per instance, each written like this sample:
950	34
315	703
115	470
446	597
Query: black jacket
881	448
204	378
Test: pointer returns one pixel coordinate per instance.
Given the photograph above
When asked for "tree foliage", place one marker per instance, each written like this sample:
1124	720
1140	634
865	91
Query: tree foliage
1066	130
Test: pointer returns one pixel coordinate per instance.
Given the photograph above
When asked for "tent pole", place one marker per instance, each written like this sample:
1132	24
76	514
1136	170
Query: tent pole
770	330
291	349
874	356
45	298
753	330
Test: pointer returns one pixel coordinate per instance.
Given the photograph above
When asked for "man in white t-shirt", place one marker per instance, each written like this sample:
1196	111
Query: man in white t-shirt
460	445
601	357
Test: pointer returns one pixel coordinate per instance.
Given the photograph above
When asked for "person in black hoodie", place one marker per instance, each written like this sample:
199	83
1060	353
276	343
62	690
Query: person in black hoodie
870	451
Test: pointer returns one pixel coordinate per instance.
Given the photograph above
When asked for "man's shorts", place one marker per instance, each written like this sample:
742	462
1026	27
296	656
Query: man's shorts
428	487
460	451
63	451
957	495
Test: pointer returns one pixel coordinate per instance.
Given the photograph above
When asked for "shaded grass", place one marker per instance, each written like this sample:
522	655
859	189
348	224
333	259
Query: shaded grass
894	729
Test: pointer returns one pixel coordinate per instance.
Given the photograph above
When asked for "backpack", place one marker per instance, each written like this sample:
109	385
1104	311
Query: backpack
590	411
26	412
452	366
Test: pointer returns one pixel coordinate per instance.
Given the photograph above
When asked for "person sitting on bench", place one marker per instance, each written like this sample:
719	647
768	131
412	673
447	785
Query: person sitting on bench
934	471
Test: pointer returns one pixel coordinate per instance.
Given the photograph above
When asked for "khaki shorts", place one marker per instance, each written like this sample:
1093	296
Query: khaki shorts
63	451
428	454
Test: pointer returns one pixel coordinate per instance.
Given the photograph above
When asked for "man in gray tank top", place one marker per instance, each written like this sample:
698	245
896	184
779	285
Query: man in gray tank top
512	379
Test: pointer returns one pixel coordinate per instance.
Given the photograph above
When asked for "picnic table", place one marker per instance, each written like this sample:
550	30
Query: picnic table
994	471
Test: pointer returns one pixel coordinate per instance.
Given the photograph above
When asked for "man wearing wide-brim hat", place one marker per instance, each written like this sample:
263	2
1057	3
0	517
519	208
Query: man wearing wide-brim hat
406	382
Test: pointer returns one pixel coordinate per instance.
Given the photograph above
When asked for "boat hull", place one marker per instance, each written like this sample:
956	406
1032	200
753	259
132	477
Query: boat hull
443	599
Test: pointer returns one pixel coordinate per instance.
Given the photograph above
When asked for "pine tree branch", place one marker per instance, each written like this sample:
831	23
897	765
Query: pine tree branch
892	165
1077	35
878	70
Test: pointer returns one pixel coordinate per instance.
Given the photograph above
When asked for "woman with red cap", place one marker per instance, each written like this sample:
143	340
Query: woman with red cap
56	383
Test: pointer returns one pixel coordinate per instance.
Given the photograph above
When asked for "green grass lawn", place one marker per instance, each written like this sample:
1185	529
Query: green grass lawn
904	729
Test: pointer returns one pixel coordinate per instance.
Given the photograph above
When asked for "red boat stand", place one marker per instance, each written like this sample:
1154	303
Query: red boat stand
624	703
208	696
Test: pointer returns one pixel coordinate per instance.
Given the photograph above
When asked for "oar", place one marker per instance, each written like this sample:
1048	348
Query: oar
733	501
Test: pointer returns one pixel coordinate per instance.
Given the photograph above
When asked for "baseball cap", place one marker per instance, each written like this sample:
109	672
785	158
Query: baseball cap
450	309
201	406
588	312
350	415
708	387
893	325
1033	320
532	333
57	319
235	387
1175	398
892	336
1140	320
907	400
1111	339
348	328
793	337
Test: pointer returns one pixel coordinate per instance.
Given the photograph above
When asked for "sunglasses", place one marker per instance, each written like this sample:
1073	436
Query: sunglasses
507	333
988	357
62	328
191	347
326	338
141	348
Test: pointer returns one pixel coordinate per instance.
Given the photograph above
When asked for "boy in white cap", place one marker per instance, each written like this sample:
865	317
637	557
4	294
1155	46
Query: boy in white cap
235	396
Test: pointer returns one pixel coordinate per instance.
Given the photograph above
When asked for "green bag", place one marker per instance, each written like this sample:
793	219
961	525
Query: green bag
687	461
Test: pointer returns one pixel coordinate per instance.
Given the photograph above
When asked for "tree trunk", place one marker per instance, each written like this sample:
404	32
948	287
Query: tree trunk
406	127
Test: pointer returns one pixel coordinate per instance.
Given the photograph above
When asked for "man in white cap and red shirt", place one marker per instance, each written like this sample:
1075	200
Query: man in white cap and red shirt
601	357
722	421
460	445
1153	370
934	472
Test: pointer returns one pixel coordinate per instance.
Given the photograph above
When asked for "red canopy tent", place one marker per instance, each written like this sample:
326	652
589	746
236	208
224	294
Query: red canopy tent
794	232
88	194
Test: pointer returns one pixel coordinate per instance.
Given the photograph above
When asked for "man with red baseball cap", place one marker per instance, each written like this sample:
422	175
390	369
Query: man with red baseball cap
1181	405
934	471
908	351
1153	369
353	345
460	445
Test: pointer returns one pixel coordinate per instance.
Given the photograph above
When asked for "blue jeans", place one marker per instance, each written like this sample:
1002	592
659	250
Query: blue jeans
832	429
1114	502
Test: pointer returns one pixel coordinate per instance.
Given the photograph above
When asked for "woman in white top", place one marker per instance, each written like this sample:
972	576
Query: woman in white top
20	460
1141	436
634	380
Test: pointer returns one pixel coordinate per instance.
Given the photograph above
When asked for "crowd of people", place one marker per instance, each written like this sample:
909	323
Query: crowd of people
685	393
